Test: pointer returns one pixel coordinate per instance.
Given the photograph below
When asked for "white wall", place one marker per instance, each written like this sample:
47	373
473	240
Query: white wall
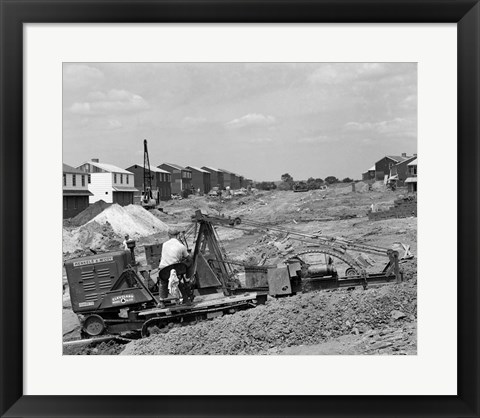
101	187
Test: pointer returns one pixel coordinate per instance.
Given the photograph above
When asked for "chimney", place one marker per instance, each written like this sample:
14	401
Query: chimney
95	160
404	154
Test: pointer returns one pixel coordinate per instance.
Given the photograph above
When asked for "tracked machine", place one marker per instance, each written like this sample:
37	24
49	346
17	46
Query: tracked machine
113	294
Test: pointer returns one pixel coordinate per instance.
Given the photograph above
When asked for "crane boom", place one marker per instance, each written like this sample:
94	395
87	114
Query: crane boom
148	200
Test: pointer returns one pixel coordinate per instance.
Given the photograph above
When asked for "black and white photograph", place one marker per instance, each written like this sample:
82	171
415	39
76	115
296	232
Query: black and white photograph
237	208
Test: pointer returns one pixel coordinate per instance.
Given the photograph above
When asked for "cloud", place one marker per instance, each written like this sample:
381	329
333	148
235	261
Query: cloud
252	119
114	101
114	124
190	121
261	140
319	139
397	126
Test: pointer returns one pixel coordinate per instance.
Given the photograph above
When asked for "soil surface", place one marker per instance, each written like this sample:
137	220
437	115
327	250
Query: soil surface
379	320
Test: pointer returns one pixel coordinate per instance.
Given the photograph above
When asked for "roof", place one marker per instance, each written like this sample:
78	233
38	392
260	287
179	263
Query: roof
212	169
69	169
398	158
197	169
414	162
152	168
77	192
107	167
411	180
124	189
228	172
371	168
176	166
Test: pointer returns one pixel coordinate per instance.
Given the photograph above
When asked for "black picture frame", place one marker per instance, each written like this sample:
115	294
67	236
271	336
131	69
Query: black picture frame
14	13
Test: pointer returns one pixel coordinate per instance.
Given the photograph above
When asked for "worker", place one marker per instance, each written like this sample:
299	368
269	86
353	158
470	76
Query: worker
124	243
173	252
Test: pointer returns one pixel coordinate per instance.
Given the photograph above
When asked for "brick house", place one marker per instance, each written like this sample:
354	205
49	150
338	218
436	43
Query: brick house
383	166
161	182
216	177
200	179
230	179
400	170
109	183
181	178
75	191
369	174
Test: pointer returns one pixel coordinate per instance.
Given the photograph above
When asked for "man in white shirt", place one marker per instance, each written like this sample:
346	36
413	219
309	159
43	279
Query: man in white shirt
173	252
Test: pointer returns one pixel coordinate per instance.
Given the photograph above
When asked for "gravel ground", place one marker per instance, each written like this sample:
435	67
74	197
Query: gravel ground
304	319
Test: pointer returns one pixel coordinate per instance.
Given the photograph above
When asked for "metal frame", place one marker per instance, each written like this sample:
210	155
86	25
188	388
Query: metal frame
466	13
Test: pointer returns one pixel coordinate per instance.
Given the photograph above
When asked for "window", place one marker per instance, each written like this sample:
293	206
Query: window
89	178
64	179
127	177
83	180
74	179
121	178
114	178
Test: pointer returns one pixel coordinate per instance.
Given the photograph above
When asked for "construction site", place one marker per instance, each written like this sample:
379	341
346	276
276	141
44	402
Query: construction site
326	271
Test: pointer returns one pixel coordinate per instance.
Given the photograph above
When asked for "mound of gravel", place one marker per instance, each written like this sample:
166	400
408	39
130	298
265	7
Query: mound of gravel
132	220
92	235
304	319
89	213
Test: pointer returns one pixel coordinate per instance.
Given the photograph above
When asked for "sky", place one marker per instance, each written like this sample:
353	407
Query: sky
259	120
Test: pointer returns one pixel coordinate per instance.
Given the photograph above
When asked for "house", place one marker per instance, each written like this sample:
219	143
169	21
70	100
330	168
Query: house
161	182
241	182
181	181
400	171
109	183
200	179
383	166
411	180
216	177
75	191
230	179
369	174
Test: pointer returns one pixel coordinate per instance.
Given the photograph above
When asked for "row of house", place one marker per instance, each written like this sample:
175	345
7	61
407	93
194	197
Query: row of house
93	181
401	169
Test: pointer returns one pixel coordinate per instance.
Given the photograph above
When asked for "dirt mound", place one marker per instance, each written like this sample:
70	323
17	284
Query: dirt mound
92	235
132	220
89	213
304	319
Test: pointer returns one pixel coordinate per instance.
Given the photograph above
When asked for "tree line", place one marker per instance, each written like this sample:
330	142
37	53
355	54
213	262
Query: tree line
288	183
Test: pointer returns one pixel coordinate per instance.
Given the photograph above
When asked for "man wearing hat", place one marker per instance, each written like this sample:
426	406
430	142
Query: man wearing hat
173	252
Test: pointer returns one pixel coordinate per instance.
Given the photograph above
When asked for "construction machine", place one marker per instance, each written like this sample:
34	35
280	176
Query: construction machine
312	265
148	200
112	293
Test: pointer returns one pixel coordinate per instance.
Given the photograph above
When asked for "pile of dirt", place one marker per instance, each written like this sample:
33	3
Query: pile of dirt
89	213
91	235
132	220
305	319
269	248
